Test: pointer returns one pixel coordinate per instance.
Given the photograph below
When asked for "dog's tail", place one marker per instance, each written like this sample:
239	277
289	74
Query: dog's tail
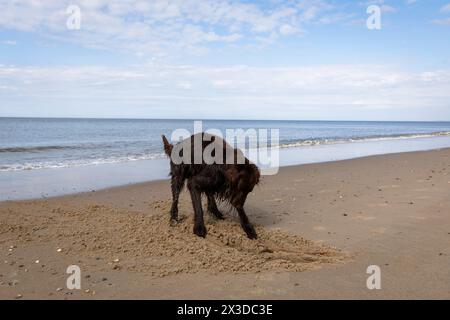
167	146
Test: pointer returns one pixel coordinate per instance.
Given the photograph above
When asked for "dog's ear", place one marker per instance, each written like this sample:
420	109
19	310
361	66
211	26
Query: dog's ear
167	146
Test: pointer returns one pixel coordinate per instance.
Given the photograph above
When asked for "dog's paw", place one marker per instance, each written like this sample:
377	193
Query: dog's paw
200	230
173	222
218	215
250	231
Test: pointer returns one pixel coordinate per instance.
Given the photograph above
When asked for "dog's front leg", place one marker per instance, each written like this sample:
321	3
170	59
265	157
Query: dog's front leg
199	225
245	223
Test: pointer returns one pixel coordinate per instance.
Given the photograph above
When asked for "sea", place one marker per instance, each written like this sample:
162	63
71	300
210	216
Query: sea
42	157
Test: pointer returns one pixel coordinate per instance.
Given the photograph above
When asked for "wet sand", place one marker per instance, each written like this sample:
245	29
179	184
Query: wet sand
320	227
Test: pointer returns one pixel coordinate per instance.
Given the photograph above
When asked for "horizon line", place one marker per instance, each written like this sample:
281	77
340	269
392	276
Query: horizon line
212	119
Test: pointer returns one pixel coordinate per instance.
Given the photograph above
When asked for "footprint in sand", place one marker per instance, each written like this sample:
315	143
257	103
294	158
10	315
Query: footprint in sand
275	200
389	186
380	230
417	217
372	205
420	189
364	218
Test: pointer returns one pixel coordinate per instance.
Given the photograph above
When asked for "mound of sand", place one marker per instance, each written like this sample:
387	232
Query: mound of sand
141	242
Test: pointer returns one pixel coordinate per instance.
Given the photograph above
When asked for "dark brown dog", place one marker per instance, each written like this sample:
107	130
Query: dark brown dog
229	181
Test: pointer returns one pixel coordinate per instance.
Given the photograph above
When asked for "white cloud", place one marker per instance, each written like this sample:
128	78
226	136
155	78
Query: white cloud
287	29
442	22
388	9
446	8
385	8
9	42
162	27
174	91
336	18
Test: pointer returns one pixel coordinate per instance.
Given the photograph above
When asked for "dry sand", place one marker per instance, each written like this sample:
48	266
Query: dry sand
320	226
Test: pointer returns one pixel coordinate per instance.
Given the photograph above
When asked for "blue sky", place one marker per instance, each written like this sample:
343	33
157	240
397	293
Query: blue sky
299	59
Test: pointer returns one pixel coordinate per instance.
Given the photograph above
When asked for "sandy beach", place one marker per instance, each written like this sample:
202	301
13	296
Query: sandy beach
320	226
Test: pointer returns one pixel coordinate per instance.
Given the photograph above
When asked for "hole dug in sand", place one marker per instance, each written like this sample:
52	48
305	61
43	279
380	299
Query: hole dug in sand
122	239
148	243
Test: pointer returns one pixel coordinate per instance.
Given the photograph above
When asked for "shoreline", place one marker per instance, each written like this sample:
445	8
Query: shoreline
321	226
45	183
158	182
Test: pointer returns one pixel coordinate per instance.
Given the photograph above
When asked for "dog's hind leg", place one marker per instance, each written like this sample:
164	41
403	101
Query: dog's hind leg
212	207
177	184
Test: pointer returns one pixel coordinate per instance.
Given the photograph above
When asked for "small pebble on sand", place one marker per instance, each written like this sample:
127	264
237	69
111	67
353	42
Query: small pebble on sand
37	261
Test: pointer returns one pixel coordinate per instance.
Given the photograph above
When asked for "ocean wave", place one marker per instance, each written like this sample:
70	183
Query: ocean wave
36	148
327	141
78	146
61	163
77	163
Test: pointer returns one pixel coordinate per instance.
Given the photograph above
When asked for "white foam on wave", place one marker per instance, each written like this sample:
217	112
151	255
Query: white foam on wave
299	143
313	142
77	163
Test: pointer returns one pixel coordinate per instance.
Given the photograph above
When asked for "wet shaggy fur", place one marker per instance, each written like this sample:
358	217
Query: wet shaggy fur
230	182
